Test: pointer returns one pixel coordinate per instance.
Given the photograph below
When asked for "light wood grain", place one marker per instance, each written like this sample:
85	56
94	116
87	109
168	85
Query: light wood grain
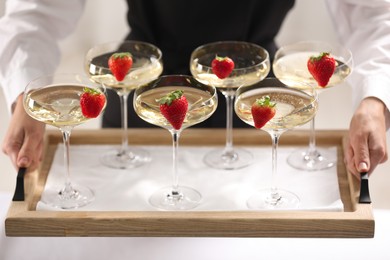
355	221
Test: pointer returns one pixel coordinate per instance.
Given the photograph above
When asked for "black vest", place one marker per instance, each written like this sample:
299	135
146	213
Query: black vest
177	27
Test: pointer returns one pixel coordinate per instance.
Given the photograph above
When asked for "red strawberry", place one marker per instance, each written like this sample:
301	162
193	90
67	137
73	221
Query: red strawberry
321	68
222	66
174	107
263	110
119	64
92	102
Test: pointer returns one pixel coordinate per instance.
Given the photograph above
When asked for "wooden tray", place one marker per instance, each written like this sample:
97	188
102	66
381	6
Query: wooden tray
355	221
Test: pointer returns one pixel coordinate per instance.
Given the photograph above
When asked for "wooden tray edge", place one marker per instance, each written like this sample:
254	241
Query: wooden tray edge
357	223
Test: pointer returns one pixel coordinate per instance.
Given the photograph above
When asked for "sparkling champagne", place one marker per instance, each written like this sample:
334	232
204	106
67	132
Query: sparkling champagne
292	70
57	105
239	77
201	105
231	82
293	107
144	69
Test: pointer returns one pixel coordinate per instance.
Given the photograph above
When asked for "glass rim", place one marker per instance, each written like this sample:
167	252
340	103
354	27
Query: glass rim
208	67
348	58
188	78
75	75
120	42
78	80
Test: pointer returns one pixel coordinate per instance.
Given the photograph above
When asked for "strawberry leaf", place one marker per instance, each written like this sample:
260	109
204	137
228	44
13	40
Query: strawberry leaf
319	57
265	101
91	91
121	55
169	98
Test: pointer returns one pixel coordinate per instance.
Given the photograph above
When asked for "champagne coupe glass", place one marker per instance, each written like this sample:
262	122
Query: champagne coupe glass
55	100
202	102
293	108
290	66
147	66
252	64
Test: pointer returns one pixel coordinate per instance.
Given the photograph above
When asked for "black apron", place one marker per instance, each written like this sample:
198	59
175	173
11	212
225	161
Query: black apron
177	27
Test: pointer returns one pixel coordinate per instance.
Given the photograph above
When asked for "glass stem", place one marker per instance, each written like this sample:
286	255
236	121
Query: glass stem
229	123
66	140
312	152
312	141
123	102
175	139
275	142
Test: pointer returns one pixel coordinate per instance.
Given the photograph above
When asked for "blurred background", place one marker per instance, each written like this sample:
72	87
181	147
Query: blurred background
308	20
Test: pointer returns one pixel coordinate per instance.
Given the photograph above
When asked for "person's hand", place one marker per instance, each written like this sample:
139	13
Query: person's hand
366	146
23	142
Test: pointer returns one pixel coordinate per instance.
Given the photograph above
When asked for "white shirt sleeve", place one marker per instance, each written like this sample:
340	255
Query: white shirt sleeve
29	32
364	28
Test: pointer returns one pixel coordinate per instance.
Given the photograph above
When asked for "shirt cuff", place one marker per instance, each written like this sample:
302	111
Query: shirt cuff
377	86
15	84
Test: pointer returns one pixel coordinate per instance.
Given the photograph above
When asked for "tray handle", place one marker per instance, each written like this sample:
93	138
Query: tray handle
19	189
364	189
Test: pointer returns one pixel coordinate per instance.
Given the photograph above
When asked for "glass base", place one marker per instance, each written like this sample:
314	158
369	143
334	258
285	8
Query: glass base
320	159
130	159
185	198
75	196
268	199
237	159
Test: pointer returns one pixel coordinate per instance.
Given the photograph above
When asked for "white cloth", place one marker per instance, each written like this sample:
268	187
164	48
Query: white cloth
30	31
172	248
130	189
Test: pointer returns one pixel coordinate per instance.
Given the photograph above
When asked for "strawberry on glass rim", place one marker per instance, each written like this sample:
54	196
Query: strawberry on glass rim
120	63
321	67
173	107
222	67
263	110
92	102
